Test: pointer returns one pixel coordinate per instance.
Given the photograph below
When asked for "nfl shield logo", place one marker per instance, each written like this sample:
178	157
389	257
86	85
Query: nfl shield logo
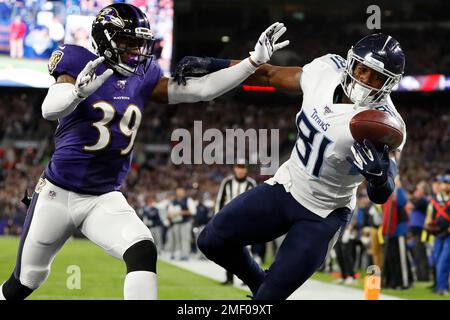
327	110
121	84
52	194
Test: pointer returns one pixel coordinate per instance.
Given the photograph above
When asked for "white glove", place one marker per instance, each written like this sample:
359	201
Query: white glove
88	82
266	43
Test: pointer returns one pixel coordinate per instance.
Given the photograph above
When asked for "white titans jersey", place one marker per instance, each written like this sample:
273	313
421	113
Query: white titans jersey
317	173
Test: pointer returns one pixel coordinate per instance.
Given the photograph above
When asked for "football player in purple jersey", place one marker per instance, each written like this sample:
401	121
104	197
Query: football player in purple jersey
98	100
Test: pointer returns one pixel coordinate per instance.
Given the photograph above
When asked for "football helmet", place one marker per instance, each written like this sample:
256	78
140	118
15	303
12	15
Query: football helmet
381	53
123	28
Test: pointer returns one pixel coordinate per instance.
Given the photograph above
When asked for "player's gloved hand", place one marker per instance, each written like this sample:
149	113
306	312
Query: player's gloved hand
26	200
191	66
267	45
88	82
372	165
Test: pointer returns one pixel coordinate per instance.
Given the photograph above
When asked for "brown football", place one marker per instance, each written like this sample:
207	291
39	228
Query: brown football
377	126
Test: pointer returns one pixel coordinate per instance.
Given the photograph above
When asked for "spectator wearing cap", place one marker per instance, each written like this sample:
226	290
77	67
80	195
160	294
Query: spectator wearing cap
438	225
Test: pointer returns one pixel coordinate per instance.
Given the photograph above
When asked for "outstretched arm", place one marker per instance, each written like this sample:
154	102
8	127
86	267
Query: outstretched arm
212	85
283	78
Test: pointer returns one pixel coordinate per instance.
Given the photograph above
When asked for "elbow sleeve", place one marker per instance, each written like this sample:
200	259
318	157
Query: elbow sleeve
210	86
60	101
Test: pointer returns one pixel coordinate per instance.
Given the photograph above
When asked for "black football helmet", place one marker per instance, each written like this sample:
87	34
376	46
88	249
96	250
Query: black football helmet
381	53
123	28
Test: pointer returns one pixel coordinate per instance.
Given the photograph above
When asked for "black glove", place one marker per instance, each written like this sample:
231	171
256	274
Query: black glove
197	67
372	165
26	200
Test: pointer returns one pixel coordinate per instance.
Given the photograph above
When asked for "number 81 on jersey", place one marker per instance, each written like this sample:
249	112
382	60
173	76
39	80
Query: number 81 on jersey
310	145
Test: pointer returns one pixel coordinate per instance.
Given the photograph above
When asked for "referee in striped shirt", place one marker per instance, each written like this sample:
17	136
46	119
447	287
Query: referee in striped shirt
230	188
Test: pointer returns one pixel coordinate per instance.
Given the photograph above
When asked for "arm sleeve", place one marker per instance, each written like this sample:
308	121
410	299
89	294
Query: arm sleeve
380	194
60	101
211	85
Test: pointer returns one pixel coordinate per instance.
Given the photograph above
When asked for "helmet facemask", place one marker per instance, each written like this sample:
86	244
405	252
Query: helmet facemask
139	46
360	93
121	32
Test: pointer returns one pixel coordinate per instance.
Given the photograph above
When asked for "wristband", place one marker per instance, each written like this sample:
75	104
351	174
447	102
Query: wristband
218	64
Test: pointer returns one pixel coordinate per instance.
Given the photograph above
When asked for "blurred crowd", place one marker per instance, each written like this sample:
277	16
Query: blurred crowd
312	40
314	31
33	29
407	238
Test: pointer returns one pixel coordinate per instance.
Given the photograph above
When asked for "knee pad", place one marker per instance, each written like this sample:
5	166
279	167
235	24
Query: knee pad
12	289
141	256
33	277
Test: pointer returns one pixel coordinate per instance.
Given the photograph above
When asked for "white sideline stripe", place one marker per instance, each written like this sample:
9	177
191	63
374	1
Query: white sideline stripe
310	290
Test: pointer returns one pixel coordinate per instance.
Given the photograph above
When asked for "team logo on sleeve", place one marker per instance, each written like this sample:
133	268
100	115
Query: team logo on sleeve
40	185
54	60
327	110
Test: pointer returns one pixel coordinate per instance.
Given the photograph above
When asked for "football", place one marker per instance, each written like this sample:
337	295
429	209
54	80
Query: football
377	126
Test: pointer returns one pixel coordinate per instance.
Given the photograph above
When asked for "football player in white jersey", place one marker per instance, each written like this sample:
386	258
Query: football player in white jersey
312	195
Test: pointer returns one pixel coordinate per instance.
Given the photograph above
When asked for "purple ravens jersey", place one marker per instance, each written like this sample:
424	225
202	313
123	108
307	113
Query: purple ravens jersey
93	144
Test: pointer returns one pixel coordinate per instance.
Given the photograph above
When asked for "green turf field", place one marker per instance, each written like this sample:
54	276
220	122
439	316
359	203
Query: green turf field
102	276
32	64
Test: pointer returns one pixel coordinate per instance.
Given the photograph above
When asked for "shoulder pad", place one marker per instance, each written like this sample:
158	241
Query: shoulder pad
69	59
326	65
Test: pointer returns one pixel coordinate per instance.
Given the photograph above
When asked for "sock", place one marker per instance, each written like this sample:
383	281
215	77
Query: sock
2	297
140	285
